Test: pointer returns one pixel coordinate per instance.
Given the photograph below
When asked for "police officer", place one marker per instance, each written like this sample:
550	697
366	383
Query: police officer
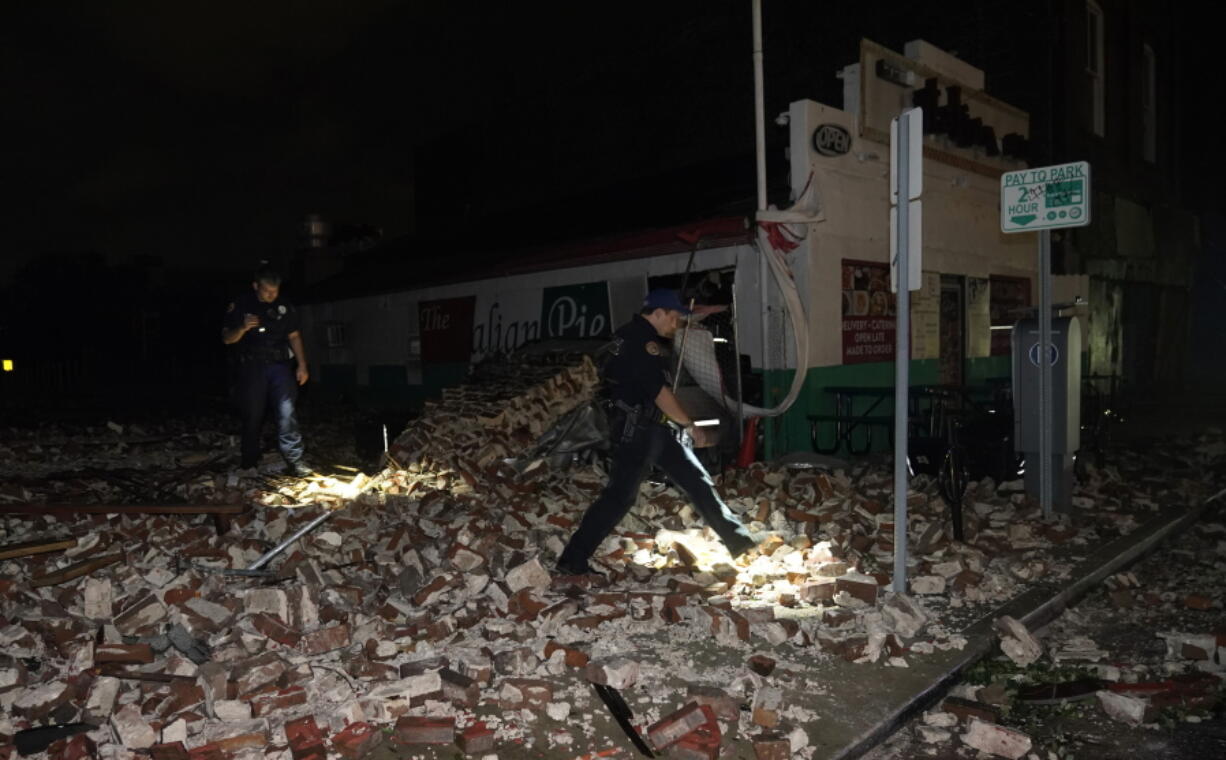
642	403
266	333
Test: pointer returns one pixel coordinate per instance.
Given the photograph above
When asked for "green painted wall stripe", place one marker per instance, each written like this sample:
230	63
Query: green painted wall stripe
790	432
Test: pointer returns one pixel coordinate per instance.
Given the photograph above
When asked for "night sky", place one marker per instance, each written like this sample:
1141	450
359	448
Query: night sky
201	133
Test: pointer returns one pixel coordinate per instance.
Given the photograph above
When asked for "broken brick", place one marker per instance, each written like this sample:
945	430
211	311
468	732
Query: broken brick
721	703
618	672
306	741
967	709
412	730
574	658
356	740
517	693
862	587
269	704
671	728
325	639
123	653
168	751
459	689
771	746
477	739
275	629
761	664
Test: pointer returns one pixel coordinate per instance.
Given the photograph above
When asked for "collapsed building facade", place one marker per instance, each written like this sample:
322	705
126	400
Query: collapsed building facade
975	278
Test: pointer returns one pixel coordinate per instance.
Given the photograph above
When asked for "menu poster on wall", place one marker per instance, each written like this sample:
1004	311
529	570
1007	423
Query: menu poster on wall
926	318
978	317
1008	294
869	319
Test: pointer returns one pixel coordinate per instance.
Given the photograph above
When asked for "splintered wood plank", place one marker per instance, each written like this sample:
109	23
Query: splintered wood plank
25	549
76	571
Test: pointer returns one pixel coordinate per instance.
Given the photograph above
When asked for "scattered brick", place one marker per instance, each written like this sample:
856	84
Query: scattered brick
769	745
477	739
356	740
968	708
670	729
325	640
761	664
412	730
123	653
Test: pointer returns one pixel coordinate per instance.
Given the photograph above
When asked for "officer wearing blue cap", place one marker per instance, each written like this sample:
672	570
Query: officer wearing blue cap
642	405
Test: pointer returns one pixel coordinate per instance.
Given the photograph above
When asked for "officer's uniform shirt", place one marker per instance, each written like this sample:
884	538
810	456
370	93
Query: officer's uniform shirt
639	370
278	319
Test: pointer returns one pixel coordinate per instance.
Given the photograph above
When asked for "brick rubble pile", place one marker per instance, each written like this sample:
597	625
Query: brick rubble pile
426	613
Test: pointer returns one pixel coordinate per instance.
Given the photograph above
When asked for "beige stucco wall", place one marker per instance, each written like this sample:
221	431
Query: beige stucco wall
961	222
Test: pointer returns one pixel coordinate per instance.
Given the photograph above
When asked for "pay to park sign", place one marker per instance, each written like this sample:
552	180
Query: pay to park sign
1046	197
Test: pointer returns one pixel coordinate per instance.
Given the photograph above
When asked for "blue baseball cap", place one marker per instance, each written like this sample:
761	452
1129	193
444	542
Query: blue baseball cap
663	298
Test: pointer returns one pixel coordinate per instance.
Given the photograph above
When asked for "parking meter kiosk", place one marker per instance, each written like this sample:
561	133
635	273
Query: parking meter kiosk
1065	358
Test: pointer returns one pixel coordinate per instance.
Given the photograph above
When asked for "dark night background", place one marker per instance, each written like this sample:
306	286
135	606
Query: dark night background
155	150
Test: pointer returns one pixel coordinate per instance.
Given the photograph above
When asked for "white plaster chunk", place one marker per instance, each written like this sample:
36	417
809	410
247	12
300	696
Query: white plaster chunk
132	729
996	740
98	598
928	584
940	719
618	672
905	615
531	574
798	739
1122	707
1017	642
932	734
102	696
208	610
271	601
231	710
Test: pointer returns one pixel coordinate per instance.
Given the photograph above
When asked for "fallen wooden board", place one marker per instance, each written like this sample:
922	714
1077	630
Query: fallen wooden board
25	549
117	671
76	571
125	509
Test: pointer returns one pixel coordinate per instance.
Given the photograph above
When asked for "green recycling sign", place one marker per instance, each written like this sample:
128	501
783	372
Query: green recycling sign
1045	197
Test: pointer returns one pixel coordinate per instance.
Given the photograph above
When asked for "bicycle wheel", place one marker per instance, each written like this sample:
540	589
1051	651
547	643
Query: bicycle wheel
953	477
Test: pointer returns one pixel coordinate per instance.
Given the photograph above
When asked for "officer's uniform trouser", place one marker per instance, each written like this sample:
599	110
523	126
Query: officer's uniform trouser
652	444
262	385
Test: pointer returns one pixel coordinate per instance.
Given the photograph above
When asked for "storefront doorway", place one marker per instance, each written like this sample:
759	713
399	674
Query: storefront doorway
953	330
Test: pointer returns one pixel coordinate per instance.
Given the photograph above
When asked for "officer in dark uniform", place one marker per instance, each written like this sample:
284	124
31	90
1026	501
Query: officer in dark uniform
641	404
265	333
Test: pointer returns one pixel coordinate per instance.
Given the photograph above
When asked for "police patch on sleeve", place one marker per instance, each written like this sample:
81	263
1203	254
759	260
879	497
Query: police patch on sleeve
652	348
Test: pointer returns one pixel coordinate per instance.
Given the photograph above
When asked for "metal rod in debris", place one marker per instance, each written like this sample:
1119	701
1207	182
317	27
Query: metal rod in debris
297	535
681	348
385	438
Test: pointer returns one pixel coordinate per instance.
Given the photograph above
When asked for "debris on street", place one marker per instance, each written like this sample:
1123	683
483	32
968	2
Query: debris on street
425	612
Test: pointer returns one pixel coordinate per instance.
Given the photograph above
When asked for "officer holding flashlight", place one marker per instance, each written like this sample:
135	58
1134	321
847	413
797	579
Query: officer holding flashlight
266	334
642	413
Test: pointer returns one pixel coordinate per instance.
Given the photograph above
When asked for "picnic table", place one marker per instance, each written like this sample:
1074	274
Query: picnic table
931	408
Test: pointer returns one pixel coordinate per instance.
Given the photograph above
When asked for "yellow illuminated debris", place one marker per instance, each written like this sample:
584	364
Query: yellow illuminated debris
7	365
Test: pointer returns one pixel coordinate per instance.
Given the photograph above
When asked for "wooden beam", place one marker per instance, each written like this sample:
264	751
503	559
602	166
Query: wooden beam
25	549
117	671
124	509
76	571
